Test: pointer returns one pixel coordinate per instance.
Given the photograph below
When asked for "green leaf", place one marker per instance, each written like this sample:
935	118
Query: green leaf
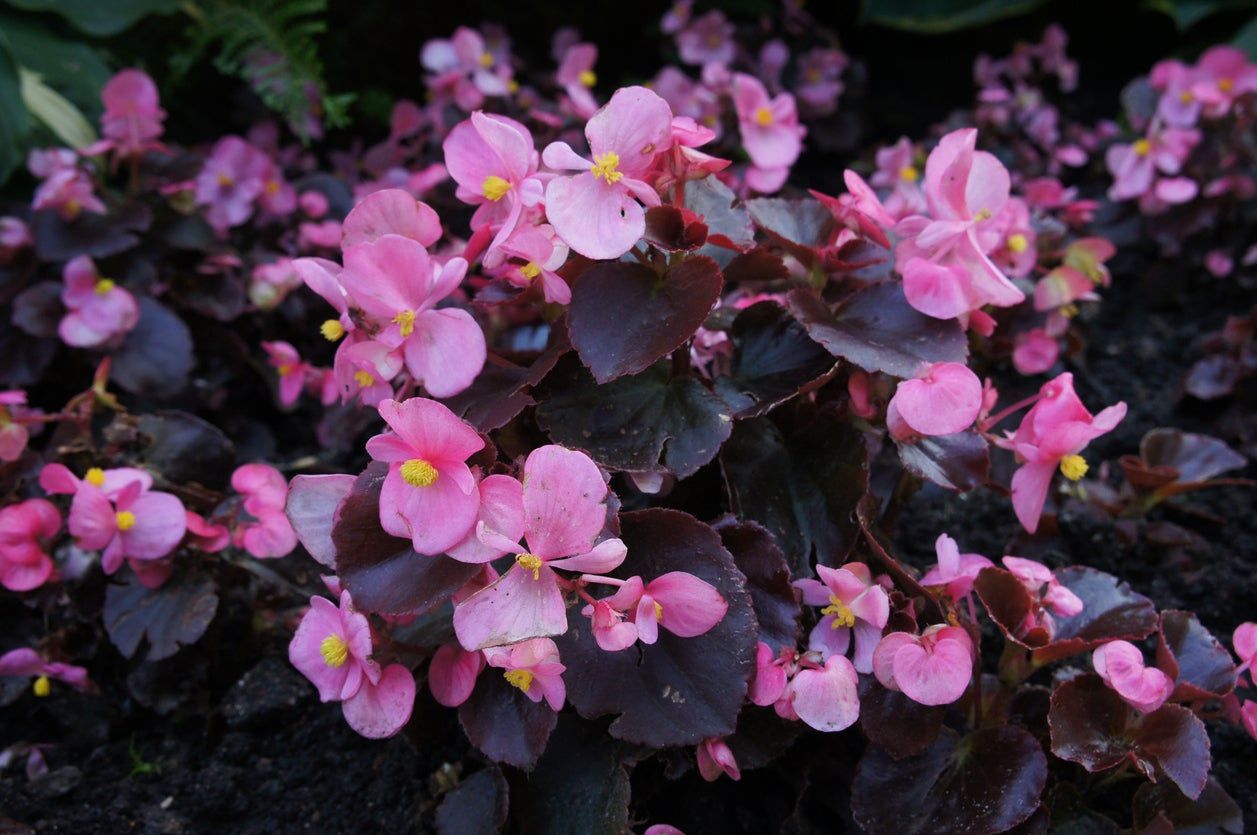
101	18
1187	13
1247	39
55	111
72	68
14	121
932	17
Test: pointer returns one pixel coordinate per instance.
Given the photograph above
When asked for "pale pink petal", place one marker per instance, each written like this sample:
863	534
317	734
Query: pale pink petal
943	402
564	502
935	290
598	220
827	699
436	517
160	522
380	710
446	351
691	606
452	674
502	514
514	608
936	676
390	211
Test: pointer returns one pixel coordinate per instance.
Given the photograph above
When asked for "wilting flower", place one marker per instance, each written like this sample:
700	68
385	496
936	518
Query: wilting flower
532	667
715	758
1121	665
97	308
942	400
28	663
26	531
597	211
853	602
1042	583
955	572
826	699
933	668
265	492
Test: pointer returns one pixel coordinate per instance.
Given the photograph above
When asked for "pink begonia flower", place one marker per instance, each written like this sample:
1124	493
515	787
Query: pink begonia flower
771	133
452	674
66	188
270	283
716	758
565	510
684	162
311	507
533	668
853	602
26	531
13	434
955	572
1121	665
132	121
1062	287
493	160
577	78
27	663
542	252
1052	435
818	85
332	648
689	98
313	203
1042	583
1224	74
205	535
933	668
265	492
942	400
233	178
97	309
1219	263
662	829
679	602
391	211
501	510
1135	166
897	170
395	283
826	699
597	211
943	256
1244	642
429	495
1035	352
464	69
771	674
707	40
137	524
15	236
859	210
1017	251
57	480
677	17
291	370
612	632
362	370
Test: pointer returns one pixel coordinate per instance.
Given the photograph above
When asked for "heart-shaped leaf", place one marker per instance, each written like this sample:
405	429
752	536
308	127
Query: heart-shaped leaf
624	316
579	785
156	357
177	613
1198	662
757	556
773	358
502	722
677	691
477	806
959	462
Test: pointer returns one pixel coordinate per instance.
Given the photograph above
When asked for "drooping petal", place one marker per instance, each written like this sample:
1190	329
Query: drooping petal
381	710
827	699
690	606
513	608
452	674
598	220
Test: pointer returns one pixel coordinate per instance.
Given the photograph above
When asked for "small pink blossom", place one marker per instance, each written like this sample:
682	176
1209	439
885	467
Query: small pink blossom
577	78
135	523
1121	665
1042	583
234	177
818	85
943	400
532	667
27	530
464	69
27	663
714	759
66	188
853	602
955	572
13	433
1035	352
98	309
132	121
771	674
1135	167
826	699
597	212
205	535
292	371
707	39
265	492
771	133
541	252
15	236
679	602
933	668
429	495
897	170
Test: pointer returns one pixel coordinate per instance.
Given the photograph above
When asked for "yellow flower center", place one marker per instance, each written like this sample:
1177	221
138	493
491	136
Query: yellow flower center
334	650
763	117
530	270
332	330
364	379
1017	242
486	60
843	616
1069	311
909	173
225	180
272	187
519	678
512	86
1142	147
588	78
418	473
95	476
530	562
983	214
104	286
658	610
606	166
1185	97
494	187
1225	84
1085	263
1074	467
406	321
286	369
42	686
125	519
73	207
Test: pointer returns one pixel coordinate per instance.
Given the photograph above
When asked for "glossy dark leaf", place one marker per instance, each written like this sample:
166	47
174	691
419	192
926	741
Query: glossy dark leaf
38	309
986	782
1198	662
624	316
762	737
504	724
500	391
799	226
91	234
23	358
1193	458
1092	726
579	786
773	357
639	423
381	571
960	462
804	488
177	613
156	357
727	220
878	330
1212	812
678	691
757	556
674	229
478	806
902	727
758	265
181	448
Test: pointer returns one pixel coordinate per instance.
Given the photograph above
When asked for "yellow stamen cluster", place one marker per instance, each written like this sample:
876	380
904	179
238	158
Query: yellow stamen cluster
909	174
125	520
494	188
486	60
1226	84
104	286
95	477
1185	96
606	166
530	562
364	379
530	270
982	214
843	616
286	369
763	117
226	181
42	686
519	678
1142	147
332	330
587	78
334	650
418	473
1074	467
1069	311
272	187
658	610
406	322
1017	242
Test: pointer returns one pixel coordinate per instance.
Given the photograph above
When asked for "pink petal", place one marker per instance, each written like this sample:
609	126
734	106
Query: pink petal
452	674
564	502
391	211
636	124
446	351
502	513
92	520
160	523
604	557
381	710
827	699
827	640
935	290
945	401
1030	488
435	518
691	606
430	429
514	608
598	220
936	677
